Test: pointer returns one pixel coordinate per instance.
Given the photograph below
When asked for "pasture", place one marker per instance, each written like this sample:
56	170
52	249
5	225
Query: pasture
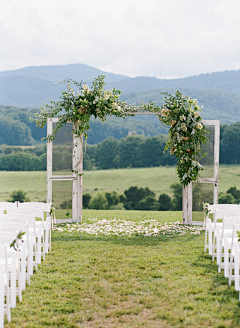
158	179
120	281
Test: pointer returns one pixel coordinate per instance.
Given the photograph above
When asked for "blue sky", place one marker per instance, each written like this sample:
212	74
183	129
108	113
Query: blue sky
161	38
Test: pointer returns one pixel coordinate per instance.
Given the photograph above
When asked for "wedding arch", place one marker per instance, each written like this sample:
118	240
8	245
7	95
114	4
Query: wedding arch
187	134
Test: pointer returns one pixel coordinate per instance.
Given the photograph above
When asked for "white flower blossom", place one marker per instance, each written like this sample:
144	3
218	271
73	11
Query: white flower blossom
86	88
183	127
182	118
199	126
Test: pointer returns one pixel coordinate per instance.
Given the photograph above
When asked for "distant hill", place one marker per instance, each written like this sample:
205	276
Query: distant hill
217	105
30	87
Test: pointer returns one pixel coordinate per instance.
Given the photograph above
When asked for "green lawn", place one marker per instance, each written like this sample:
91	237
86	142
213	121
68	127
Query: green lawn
116	281
159	179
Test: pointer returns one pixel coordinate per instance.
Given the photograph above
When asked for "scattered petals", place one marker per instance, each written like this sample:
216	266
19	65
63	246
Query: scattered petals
147	228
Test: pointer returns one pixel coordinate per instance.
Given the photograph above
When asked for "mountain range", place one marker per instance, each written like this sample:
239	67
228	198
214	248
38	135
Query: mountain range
30	87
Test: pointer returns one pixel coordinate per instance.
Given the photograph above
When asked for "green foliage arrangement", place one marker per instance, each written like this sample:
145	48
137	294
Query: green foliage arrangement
181	114
78	106
186	134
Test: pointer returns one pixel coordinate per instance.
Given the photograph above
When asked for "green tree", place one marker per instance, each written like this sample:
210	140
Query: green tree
225	198
127	150
134	195
164	202
177	196
14	132
106	152
148	203
86	200
19	196
21	162
150	152
235	192
113	198
99	201
230	144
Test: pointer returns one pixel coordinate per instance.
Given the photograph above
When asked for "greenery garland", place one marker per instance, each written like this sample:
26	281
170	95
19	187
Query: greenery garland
78	106
181	113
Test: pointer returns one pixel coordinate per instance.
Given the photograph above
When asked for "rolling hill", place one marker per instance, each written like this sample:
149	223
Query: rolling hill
22	91
30	87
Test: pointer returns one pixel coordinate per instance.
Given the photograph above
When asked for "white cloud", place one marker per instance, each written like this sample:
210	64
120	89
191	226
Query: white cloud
135	37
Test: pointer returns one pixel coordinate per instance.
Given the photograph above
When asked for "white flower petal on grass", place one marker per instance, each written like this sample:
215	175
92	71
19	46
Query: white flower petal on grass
115	227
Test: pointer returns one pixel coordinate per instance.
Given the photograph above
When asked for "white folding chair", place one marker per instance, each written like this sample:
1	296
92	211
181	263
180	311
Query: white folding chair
14	269
232	262
39	226
6	205
23	247
210	224
4	286
46	207
34	242
226	242
235	266
217	222
2	296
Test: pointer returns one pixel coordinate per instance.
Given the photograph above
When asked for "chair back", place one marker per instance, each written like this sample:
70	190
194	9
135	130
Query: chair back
213	207
227	225
7	237
37	212
45	206
23	218
236	228
219	214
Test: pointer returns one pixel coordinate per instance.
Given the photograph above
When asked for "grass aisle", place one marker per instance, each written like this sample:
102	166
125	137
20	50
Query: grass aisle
117	281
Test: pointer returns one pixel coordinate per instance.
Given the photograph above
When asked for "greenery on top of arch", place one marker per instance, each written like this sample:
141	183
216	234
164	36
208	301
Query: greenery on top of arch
78	106
180	113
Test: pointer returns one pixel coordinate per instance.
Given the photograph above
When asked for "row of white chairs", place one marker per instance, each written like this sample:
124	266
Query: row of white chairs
221	239
17	264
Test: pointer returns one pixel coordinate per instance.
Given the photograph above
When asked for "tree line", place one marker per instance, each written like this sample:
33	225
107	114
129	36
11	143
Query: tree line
135	198
132	151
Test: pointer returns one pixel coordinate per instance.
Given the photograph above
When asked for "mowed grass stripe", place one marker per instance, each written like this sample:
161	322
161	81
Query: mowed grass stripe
110	281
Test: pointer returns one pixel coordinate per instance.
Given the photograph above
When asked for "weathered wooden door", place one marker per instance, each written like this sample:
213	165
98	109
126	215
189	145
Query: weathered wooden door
208	178
64	170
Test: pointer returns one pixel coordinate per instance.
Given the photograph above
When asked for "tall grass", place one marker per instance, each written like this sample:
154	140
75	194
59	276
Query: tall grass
113	281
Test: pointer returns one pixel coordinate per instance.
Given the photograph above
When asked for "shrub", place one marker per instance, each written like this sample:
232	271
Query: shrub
86	199
164	202
148	203
134	195
235	193
18	196
99	201
226	198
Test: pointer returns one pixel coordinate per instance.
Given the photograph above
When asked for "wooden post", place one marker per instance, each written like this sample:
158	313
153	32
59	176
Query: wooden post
77	159
184	204
189	203
79	178
49	162
216	161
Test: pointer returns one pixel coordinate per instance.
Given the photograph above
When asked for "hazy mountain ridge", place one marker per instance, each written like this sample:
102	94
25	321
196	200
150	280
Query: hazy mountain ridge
30	87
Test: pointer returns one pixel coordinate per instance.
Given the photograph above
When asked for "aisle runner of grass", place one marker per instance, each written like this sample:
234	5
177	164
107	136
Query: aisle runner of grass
90	280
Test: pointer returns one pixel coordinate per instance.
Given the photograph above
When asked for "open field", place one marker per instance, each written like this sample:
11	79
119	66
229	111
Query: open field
117	281
158	179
